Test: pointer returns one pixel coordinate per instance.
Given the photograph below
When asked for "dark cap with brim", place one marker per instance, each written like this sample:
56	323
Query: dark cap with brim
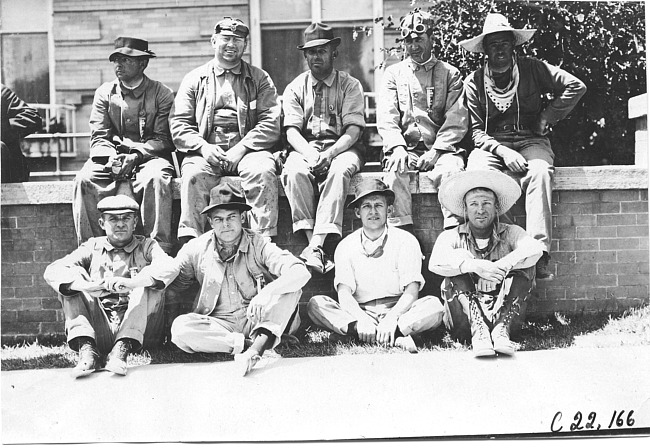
369	187
226	196
231	27
133	47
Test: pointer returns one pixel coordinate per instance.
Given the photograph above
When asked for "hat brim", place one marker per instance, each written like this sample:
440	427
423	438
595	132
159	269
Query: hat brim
355	202
118	211
318	42
475	44
126	51
453	190
232	33
242	207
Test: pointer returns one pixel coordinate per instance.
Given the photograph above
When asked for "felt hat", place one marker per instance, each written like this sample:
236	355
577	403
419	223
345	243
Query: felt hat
370	186
226	196
415	23
118	204
495	23
131	46
453	190
318	34
231	27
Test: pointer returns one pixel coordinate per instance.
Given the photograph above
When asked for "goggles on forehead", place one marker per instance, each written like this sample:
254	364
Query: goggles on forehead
414	23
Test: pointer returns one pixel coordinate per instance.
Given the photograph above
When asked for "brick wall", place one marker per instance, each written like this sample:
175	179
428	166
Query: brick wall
599	250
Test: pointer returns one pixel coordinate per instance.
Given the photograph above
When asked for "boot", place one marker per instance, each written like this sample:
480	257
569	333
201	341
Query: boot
88	357
542	272
501	330
116	360
481	341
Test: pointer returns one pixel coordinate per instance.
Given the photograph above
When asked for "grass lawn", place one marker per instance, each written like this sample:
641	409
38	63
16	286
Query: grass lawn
632	327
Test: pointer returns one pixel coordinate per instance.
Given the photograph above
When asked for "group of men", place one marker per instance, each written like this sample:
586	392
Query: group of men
226	120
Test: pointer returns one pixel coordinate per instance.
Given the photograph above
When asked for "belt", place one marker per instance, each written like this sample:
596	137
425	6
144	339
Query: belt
511	128
226	128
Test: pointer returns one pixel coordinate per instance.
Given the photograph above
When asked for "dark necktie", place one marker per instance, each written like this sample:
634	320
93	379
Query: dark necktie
318	98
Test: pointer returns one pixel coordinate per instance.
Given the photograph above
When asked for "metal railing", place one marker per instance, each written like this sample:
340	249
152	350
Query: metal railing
59	139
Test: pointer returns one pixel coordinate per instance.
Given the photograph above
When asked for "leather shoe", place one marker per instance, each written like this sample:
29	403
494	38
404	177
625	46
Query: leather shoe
116	360
88	358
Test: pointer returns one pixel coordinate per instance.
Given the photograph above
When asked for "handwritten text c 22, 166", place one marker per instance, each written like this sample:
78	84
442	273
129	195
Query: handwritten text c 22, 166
619	419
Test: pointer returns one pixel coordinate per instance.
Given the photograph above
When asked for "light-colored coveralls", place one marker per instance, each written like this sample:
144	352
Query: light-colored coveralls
142	116
377	284
341	105
513	129
138	315
218	321
234	107
421	108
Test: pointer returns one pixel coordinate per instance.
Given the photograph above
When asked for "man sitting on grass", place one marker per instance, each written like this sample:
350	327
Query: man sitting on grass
378	279
489	266
111	289
249	287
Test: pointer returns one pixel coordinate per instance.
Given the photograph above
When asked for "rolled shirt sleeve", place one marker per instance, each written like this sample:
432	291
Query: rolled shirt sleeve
448	255
66	270
162	267
410	263
352	111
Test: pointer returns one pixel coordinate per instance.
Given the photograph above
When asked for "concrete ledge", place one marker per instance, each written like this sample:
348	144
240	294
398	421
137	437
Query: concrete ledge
621	177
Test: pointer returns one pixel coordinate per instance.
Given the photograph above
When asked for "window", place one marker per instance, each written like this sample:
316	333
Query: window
282	23
24	48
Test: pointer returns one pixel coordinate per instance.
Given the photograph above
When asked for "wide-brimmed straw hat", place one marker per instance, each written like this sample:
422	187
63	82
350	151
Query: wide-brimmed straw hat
371	186
495	23
226	196
131	46
318	34
453	190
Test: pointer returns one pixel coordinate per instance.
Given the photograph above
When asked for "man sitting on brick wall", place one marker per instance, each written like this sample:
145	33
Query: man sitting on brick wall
323	117
129	141
226	119
510	123
489	266
421	118
112	290
249	287
377	279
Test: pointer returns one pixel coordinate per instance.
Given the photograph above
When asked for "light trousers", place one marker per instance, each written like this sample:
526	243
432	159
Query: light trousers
425	314
199	333
152	190
143	320
536	182
321	210
447	165
258	181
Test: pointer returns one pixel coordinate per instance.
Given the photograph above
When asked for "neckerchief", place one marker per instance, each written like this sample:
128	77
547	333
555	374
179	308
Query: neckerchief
502	98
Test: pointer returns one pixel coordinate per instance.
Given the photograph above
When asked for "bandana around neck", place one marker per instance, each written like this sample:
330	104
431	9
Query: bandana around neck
502	98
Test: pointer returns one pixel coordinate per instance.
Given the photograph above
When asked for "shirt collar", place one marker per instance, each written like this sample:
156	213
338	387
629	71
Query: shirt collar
365	240
244	242
137	92
428	65
218	70
327	81
128	248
